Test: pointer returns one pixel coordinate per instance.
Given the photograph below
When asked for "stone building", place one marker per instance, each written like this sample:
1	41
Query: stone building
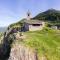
32	25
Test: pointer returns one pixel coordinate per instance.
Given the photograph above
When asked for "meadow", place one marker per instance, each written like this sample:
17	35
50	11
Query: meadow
46	42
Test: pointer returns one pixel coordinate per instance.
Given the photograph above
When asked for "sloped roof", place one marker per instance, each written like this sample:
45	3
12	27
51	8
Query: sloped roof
33	21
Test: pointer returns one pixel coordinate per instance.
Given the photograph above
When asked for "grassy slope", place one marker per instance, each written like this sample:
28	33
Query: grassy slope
47	43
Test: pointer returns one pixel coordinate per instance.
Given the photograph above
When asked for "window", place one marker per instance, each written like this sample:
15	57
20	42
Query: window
36	24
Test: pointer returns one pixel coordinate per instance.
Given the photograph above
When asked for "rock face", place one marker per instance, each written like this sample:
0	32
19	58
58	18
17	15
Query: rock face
22	53
18	51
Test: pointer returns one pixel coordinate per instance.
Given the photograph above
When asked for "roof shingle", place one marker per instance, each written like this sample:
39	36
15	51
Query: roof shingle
33	21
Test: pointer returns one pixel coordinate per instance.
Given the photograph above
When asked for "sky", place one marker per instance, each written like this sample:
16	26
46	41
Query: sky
12	11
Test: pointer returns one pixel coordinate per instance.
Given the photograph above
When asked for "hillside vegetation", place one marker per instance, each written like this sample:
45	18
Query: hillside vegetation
49	15
46	42
1	37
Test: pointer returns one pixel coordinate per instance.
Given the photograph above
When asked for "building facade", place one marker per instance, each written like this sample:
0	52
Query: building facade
33	25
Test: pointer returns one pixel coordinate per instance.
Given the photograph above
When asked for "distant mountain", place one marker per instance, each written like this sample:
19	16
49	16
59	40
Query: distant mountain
3	29
49	15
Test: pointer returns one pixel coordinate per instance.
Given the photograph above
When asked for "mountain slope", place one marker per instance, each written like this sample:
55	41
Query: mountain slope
3	29
46	43
49	15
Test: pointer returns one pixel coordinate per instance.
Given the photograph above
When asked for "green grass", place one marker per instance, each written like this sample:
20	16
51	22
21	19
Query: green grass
1	36
46	42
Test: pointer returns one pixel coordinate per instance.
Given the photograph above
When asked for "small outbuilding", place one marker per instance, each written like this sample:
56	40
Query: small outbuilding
54	27
33	25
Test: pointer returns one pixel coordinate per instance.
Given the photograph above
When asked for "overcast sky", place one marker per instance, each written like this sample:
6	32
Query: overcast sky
14	10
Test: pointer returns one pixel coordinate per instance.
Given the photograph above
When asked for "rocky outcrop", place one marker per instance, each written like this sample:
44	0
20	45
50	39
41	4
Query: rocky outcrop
5	46
20	52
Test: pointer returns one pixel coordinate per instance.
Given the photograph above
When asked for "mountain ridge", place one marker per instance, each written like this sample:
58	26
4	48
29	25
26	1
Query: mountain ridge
3	29
50	14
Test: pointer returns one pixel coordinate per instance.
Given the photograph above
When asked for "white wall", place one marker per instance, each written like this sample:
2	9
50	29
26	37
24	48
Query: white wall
34	28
